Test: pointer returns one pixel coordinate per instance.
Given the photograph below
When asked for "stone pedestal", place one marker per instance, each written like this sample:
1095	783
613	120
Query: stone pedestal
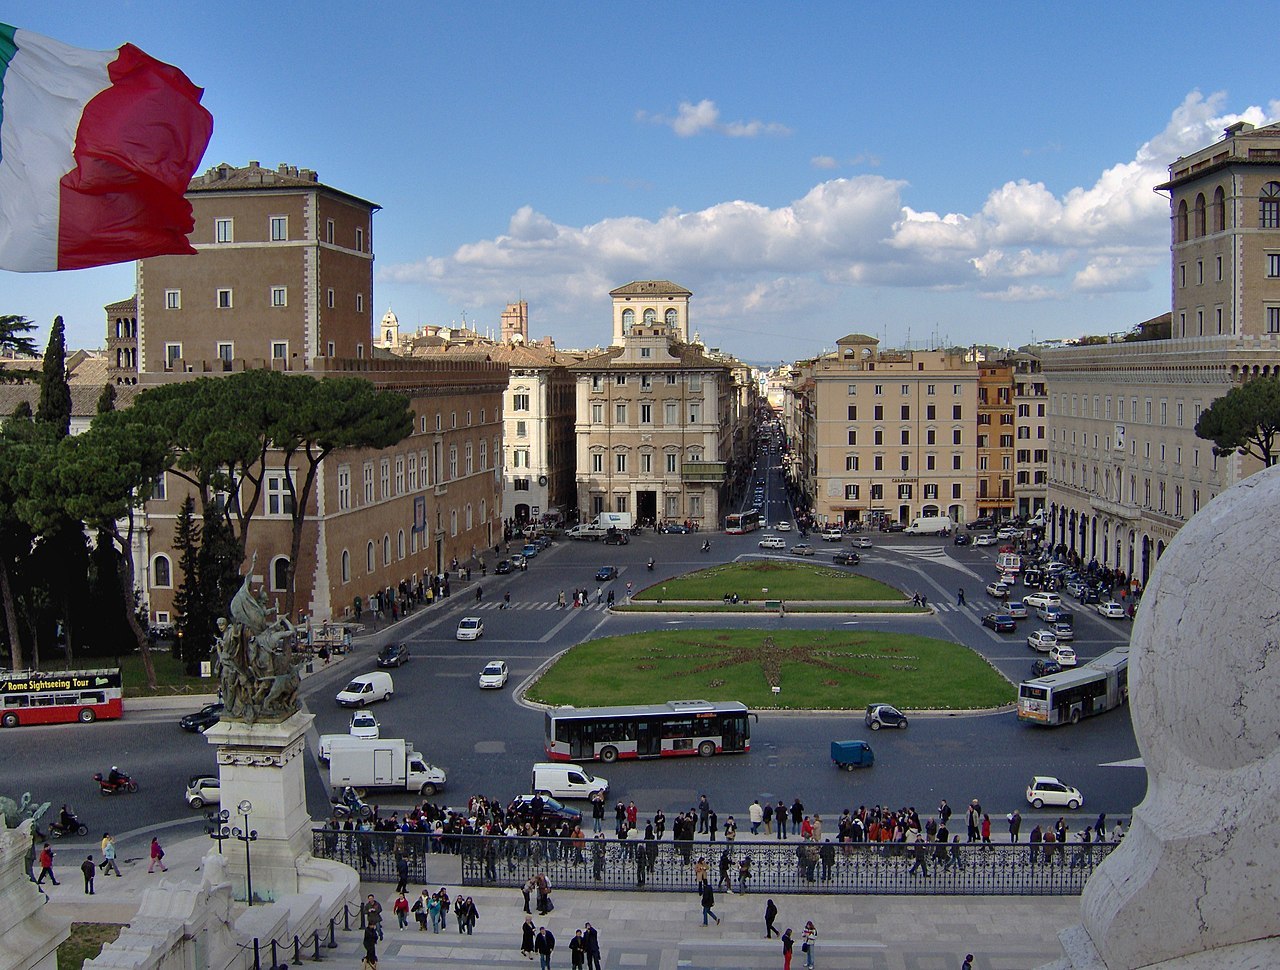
263	764
31	936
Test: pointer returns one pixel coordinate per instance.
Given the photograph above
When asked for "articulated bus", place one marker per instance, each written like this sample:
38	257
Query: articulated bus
60	696
740	522
647	731
1076	692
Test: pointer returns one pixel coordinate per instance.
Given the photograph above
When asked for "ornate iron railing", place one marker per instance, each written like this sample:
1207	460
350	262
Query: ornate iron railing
974	869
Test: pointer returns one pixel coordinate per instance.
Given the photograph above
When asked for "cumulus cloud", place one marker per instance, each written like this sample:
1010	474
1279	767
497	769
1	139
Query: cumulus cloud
853	239
693	119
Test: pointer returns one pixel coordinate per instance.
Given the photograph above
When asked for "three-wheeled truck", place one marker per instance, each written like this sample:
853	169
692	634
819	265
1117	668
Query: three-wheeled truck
852	754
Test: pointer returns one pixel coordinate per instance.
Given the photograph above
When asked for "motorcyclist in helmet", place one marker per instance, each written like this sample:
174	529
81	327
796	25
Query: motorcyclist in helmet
115	775
67	819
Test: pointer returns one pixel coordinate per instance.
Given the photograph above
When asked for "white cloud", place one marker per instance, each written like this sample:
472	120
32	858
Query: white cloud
694	119
845	242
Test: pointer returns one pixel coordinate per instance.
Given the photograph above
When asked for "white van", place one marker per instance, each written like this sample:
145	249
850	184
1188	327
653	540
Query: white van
566	781
930	525
366	688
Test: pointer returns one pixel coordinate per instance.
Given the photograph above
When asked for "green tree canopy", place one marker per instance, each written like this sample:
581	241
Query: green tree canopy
1245	419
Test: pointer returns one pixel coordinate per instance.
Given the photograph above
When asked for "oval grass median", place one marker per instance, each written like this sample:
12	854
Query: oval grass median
813	669
756	582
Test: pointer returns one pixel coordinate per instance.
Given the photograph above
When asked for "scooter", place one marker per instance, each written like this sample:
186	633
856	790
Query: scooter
349	804
649	565
57	830
124	784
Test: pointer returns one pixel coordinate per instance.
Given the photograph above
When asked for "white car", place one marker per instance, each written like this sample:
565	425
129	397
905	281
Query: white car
772	542
1042	640
1062	654
783	526
999	590
494	674
470	628
1112	610
832	535
986	539
862	542
363	725
1045	790
1037	600
1009	532
203	790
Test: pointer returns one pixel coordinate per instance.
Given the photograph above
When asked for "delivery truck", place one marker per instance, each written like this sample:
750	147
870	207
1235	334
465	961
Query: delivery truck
382	763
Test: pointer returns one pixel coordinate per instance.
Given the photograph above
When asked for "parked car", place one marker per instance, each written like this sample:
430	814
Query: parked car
1037	600
504	566
393	655
832	535
494	674
783	527
962	539
675	528
1008	532
999	590
1062	654
802	549
470	628
1016	610
606	574
1043	667
530	551
518	560
1042	640
1112	610
203	790
200	720
896	527
521	810
846	559
986	539
862	542
1000	622
979	523
363	725
884	715
1045	790
772	542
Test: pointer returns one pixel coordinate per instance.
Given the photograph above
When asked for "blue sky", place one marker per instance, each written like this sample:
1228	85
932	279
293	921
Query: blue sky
961	172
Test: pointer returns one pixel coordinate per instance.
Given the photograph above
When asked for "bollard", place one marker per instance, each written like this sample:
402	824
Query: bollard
333	943
297	949
346	918
275	959
257	955
315	937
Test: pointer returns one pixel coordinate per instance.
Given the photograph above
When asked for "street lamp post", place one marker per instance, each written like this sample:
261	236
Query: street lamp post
218	827
245	835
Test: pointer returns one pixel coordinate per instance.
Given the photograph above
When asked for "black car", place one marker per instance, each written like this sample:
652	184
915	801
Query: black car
206	717
393	655
616	537
606	574
979	524
675	528
846	559
962	539
895	527
504	566
522	810
1000	622
1044	667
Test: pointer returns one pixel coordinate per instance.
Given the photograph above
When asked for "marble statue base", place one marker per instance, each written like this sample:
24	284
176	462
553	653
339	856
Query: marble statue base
263	764
1256	955
31	936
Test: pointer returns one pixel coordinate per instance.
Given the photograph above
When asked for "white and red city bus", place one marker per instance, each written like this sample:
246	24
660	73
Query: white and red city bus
60	696
648	731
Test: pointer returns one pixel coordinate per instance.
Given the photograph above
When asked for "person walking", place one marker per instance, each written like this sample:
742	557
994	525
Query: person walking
787	944
157	856
90	869
506	600
109	855
373	917
770	914
544	944
402	873
960	596
968	962
809	943
527	932
469	915
592	940
370	961
46	865
401	908
708	901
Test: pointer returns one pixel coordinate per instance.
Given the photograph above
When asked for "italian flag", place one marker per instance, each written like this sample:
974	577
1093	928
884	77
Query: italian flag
97	149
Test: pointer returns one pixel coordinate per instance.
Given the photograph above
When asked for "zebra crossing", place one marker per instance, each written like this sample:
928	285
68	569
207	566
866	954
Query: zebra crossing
533	605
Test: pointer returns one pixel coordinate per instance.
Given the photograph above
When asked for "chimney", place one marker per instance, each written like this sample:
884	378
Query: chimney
253	164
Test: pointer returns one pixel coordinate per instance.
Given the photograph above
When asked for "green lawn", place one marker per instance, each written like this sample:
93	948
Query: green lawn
85	943
170	677
783	580
815	669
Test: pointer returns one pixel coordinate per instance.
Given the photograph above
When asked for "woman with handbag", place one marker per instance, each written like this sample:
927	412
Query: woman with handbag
809	943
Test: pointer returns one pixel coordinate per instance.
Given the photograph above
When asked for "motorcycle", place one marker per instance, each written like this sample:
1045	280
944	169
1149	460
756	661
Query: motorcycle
57	830
123	784
649	565
706	546
350	804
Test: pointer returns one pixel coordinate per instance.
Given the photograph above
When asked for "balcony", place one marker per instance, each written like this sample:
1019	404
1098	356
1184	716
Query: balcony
703	472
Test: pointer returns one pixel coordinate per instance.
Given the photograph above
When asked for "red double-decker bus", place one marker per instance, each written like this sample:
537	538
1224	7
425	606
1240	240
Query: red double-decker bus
60	696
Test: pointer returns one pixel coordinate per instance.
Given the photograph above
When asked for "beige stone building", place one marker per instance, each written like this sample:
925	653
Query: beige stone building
887	435
658	419
995	478
1126	469
283	277
1031	430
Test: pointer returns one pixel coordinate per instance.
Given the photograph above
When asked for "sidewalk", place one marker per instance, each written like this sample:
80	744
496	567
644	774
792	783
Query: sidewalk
644	931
